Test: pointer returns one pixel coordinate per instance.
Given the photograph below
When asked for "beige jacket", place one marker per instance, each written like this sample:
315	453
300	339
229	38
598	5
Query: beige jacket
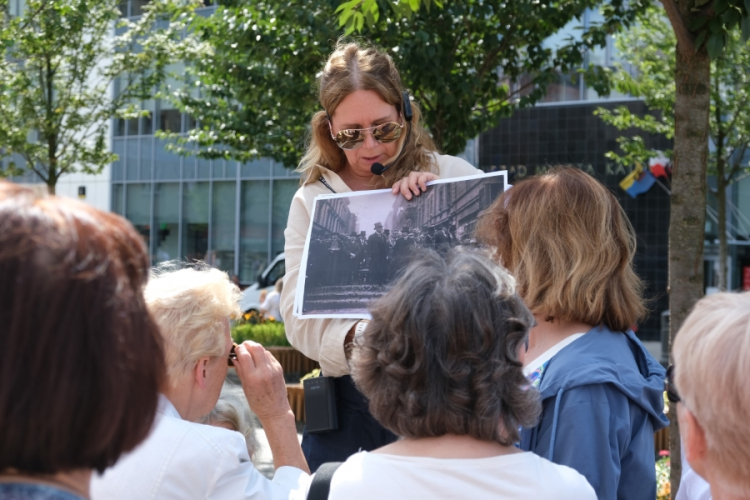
323	339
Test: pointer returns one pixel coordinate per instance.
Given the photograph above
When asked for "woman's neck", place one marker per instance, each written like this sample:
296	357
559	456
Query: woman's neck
357	182
547	334
75	481
447	446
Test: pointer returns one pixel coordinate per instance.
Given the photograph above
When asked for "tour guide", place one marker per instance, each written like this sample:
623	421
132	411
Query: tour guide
362	127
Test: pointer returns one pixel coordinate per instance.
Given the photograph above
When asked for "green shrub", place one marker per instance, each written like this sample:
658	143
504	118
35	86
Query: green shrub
267	334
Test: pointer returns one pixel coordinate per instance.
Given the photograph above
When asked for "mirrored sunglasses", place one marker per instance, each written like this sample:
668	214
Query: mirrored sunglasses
353	138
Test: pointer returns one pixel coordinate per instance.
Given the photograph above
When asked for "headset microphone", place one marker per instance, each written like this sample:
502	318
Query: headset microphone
379	168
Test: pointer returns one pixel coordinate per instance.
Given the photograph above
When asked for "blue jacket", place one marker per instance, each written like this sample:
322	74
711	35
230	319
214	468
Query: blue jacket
601	404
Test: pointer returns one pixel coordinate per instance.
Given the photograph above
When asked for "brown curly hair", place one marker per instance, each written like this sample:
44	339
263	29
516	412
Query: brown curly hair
570	246
440	355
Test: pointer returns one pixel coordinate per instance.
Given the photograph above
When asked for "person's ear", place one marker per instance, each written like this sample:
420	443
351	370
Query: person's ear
201	372
693	440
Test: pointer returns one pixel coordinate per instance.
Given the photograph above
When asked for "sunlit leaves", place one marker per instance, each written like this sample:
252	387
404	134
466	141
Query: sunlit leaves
648	71
58	64
467	63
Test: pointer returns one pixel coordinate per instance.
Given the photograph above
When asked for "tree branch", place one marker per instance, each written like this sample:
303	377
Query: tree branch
684	37
736	164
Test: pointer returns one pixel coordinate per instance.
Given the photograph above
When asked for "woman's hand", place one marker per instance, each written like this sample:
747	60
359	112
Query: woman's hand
262	380
415	182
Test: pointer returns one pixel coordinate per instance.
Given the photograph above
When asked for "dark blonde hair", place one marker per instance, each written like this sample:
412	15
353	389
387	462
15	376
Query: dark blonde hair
570	246
440	355
352	67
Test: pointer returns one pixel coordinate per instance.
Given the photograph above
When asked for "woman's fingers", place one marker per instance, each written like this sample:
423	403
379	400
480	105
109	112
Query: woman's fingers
414	184
262	379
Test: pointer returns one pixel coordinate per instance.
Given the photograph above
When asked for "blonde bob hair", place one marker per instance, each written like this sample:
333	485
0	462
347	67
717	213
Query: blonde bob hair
712	360
353	67
570	246
191	306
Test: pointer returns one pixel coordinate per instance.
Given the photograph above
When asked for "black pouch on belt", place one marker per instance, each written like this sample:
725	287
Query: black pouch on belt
320	405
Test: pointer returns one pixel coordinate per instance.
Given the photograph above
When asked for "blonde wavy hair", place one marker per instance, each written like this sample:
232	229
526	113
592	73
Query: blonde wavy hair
570	246
353	67
191	306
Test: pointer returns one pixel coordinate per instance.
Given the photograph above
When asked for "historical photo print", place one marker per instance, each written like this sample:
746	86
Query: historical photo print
358	242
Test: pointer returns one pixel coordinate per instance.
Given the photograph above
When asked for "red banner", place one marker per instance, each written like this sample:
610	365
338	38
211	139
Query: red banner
746	278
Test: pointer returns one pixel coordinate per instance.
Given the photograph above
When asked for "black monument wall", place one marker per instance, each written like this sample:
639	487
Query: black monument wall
534	139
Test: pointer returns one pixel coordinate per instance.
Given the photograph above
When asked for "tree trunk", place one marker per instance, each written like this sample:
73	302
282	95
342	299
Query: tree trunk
688	200
51	189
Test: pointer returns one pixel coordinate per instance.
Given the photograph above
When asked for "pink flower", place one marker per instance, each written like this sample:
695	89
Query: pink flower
664	453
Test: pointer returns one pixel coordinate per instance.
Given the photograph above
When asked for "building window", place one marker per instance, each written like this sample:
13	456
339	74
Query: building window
170	120
283	192
166	221
223	208
195	205
254	216
138	209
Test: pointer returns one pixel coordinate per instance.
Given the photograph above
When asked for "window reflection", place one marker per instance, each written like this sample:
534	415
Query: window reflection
166	163
221	255
117	198
195	221
166	221
283	192
136	7
170	120
254	217
138	209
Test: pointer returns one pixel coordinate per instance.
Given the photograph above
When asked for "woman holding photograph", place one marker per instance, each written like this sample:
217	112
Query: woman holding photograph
567	241
363	122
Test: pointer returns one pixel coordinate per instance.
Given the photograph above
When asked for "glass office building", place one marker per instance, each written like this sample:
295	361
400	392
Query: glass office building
231	215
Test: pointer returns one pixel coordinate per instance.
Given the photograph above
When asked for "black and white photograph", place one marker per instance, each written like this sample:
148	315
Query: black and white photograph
359	242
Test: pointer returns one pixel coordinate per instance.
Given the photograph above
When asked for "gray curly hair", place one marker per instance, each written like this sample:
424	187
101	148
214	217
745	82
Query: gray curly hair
440	355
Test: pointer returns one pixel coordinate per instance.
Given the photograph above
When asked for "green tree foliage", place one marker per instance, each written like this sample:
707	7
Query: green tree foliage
58	62
252	75
649	49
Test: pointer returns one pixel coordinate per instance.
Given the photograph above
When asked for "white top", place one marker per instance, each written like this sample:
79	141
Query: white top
270	306
549	353
322	339
184	460
692	486
519	476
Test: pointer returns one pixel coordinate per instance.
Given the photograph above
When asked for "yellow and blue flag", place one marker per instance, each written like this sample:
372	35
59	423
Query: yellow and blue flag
638	181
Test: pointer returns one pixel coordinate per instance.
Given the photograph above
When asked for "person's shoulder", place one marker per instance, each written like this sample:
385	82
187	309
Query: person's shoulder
559	481
452	166
220	440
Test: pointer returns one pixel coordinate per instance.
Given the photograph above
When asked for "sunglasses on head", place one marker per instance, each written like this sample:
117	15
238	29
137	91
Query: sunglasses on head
232	355
672	395
353	138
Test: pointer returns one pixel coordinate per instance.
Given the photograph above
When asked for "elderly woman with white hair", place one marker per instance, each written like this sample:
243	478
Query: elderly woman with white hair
712	361
182	459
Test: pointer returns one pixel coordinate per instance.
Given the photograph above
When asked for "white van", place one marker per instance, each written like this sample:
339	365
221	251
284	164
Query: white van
250	299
